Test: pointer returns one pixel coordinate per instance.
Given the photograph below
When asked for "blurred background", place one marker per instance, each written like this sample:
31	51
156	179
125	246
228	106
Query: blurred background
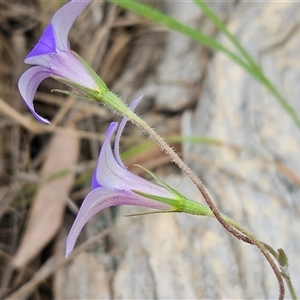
226	125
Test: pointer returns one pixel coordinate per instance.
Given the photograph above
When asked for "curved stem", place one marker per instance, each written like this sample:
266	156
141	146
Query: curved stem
235	229
195	208
178	161
261	246
115	103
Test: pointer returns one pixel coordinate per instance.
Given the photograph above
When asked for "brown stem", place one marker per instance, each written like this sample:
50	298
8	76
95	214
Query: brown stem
246	236
265	249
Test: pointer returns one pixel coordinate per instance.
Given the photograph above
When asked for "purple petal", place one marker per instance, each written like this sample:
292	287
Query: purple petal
63	20
111	129
109	173
101	198
40	60
68	66
123	123
94	182
45	45
28	85
65	65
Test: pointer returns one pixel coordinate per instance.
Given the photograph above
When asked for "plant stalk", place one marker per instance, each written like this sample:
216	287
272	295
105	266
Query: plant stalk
232	227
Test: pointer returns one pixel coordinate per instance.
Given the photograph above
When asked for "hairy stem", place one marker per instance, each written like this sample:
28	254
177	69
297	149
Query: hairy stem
232	227
178	161
261	246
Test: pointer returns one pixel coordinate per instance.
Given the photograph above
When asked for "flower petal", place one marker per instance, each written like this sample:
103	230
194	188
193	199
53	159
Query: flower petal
94	182
28	85
101	198
109	173
67	65
123	123
63	20
111	129
40	60
45	45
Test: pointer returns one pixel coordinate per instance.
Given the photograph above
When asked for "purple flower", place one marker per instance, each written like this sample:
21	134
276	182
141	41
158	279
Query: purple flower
53	57
113	185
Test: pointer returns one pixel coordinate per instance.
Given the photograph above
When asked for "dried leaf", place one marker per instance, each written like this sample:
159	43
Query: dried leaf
49	203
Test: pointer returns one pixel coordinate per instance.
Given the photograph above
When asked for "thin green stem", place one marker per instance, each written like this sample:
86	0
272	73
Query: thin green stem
283	264
290	286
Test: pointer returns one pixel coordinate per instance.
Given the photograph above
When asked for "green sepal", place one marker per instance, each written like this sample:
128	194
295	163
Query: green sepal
100	94
69	93
150	213
106	97
161	182
180	203
83	91
169	201
183	204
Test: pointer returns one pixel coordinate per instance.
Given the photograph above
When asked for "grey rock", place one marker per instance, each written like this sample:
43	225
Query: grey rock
258	184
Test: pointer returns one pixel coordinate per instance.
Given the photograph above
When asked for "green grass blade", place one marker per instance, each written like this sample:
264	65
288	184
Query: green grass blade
246	62
257	71
222	27
169	22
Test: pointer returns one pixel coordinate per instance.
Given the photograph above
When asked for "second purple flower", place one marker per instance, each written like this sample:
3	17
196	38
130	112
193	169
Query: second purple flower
113	185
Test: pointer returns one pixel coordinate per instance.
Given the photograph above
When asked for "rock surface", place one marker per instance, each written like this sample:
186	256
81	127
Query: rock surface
253	186
176	256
